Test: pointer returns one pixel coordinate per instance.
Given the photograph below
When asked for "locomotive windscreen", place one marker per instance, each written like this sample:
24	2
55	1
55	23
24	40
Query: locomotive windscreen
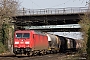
22	35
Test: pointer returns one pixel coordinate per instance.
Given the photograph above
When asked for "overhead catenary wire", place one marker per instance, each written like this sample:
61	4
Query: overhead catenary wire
61	3
35	4
52	6
82	1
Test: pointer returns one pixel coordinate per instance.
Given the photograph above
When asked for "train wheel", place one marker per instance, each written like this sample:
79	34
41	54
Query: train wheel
48	52
30	54
44	52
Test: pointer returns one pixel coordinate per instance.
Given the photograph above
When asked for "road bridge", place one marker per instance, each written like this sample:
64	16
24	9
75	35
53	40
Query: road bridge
49	16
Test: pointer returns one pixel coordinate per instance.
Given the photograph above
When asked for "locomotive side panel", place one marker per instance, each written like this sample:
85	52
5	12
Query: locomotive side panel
40	42
45	42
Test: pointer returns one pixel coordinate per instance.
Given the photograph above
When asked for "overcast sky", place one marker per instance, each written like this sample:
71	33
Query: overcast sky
40	4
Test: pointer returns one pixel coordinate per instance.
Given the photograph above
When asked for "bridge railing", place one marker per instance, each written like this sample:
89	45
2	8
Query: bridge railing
52	11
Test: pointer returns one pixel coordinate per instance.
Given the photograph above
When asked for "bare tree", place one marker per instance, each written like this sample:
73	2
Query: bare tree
8	8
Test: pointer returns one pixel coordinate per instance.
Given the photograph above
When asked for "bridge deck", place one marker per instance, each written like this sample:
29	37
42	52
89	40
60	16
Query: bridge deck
51	11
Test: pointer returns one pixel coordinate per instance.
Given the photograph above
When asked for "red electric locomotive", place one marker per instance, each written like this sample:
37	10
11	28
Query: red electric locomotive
28	41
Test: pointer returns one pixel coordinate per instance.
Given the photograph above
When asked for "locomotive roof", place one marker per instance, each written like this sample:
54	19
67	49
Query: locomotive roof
39	32
22	31
27	31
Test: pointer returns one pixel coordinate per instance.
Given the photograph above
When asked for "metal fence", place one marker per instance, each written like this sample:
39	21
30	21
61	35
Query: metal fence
49	11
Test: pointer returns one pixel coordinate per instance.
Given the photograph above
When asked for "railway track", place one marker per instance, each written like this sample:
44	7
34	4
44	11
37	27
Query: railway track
57	56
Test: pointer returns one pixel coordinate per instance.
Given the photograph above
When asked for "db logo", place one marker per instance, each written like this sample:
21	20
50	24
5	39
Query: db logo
22	42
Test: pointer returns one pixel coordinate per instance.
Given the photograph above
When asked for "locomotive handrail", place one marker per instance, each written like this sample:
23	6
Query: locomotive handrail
47	11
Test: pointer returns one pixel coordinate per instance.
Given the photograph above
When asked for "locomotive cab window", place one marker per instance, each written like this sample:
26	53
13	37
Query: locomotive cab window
22	35
18	35
26	35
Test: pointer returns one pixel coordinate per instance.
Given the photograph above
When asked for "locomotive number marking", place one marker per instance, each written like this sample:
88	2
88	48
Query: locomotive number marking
22	42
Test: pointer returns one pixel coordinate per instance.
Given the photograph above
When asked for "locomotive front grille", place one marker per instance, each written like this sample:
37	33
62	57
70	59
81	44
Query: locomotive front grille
21	50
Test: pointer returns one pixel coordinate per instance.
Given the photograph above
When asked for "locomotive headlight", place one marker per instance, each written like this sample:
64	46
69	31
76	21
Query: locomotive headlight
27	43
16	42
